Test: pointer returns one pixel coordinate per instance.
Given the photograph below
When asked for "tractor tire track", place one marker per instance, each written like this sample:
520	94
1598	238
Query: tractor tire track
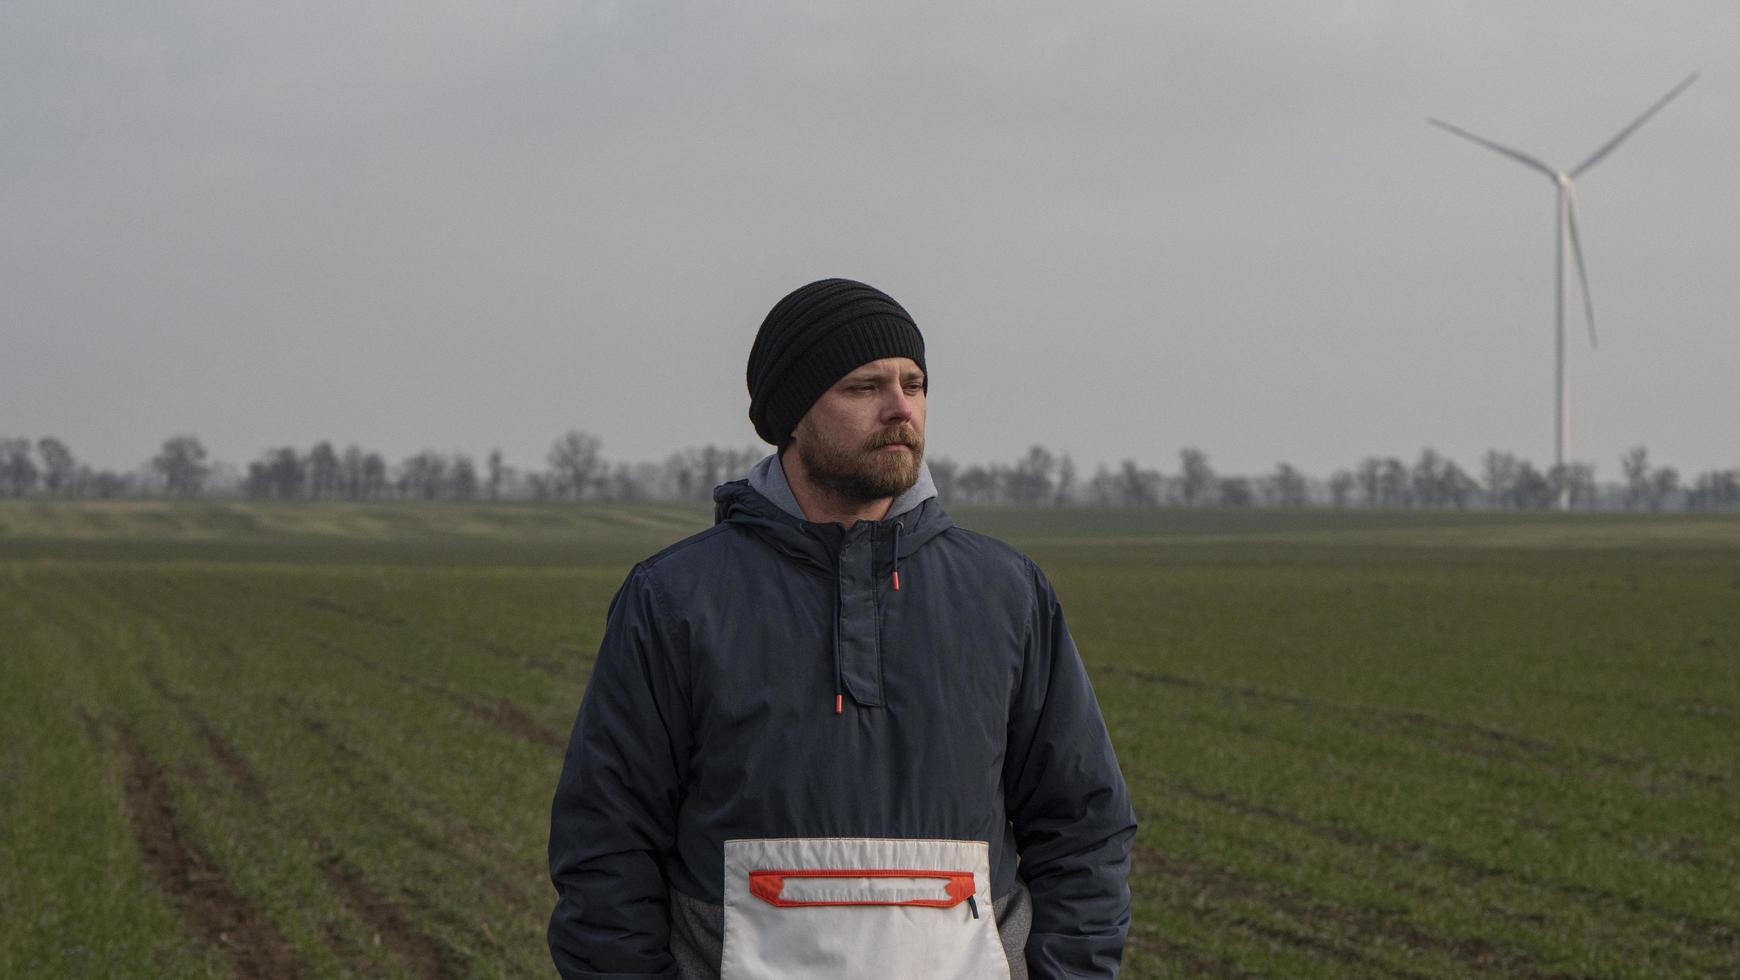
1316	914
499	713
486	863
209	907
213	911
425	958
390	926
1321	948
1712	935
1683	850
393	621
1560	758
226	755
1148	940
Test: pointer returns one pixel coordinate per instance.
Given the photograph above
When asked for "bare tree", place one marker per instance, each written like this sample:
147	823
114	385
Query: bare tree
1530	489
681	475
423	476
1634	463
618	485
257	483
707	466
1577	481
1341	486
1371	470
1500	471
462	478
182	464
1662	486
1138	487
323	471
1029	481
1102	490
284	473
497	473
694	472
1457	488
1715	490
1235	491
575	462
541	486
262	480
17	470
350	472
1393	489
942	473
374	476
108	485
977	485
82	483
1427	478
59	468
1065	480
629	483
1286	487
1196	476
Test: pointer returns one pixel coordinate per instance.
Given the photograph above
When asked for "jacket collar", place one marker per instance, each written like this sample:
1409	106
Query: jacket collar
740	502
768	479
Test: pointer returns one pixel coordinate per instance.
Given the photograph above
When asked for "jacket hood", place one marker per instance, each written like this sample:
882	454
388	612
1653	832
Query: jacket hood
739	503
767	478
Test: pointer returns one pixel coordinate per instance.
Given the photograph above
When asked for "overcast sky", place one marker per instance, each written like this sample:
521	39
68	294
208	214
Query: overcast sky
1124	228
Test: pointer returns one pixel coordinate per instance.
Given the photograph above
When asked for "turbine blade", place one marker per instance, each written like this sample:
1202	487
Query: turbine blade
1517	155
1608	146
1577	253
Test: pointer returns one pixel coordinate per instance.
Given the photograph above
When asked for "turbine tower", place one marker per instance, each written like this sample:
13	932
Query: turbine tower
1566	221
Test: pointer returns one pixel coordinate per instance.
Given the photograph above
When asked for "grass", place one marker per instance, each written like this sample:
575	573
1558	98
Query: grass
320	740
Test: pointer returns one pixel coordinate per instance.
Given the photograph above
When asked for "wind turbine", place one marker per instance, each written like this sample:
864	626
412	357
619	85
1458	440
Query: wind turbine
1567	230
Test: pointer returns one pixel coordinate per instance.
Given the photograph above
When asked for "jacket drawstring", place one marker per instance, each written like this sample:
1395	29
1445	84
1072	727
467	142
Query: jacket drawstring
839	683
897	556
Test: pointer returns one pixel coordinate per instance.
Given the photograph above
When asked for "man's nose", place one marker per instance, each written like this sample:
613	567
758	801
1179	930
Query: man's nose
899	406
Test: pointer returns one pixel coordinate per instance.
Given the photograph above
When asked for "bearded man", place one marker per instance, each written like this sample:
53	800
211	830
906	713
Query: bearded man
837	736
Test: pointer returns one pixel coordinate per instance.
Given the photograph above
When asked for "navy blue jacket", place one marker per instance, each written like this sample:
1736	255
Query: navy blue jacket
766	679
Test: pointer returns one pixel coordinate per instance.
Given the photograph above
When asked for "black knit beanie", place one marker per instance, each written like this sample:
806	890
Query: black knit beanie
811	339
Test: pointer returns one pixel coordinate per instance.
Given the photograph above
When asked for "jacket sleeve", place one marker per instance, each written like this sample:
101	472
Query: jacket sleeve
1069	807
613	822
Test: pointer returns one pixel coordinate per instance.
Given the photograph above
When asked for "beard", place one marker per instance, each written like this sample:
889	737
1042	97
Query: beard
864	473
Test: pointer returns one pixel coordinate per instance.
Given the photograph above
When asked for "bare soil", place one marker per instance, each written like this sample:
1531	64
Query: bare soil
209	906
388	922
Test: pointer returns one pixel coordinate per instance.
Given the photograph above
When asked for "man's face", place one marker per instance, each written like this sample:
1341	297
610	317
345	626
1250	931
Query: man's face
864	438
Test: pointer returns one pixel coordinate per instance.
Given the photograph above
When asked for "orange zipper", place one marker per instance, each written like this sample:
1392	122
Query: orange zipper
769	886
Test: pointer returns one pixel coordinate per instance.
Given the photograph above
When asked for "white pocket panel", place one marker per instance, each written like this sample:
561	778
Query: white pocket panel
859	909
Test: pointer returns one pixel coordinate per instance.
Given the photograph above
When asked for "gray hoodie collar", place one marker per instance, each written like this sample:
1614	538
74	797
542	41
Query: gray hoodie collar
768	479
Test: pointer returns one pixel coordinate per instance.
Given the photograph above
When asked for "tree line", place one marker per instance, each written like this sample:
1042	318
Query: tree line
1431	481
576	469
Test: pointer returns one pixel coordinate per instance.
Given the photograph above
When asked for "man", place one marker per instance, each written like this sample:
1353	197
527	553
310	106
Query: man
836	736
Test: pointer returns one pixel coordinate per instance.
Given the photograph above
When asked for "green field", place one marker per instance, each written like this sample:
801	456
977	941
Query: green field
320	740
